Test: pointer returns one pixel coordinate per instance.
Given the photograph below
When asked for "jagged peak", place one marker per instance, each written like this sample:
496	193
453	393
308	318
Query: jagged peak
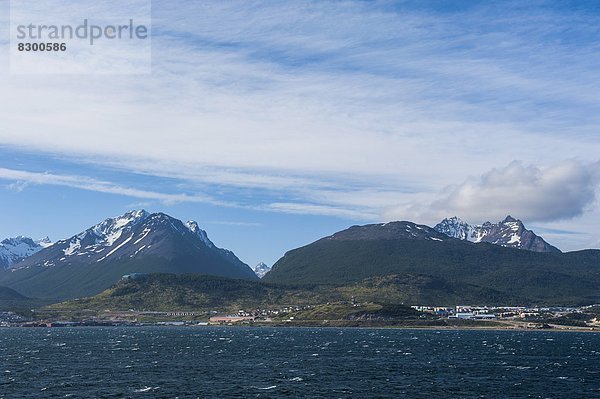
122	220
509	232
137	214
454	220
44	242
194	228
110	229
15	249
510	219
261	269
17	240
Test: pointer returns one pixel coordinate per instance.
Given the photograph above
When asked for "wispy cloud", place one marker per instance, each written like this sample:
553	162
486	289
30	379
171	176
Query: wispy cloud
89	184
355	88
317	209
25	178
362	110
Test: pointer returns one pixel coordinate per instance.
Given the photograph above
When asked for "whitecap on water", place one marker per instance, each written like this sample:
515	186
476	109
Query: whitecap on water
145	389
266	388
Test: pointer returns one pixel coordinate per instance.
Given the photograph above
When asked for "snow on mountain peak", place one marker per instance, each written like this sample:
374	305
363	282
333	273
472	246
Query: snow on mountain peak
110	230
44	242
457	228
193	227
117	231
13	250
509	232
105	233
261	269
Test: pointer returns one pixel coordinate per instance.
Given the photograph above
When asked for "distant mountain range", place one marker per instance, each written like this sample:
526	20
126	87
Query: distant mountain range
93	260
510	233
14	250
395	262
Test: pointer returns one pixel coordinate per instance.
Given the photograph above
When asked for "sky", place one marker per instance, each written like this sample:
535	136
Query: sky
273	124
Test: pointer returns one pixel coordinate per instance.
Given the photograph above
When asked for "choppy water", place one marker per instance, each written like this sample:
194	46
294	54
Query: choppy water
171	362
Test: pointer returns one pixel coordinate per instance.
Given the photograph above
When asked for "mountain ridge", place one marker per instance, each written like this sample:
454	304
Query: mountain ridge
14	250
389	231
137	241
510	233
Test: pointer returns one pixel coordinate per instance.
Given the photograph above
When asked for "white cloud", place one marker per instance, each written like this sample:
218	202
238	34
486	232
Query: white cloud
562	191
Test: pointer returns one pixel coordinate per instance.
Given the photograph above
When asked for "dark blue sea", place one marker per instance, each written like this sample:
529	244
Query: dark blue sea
211	362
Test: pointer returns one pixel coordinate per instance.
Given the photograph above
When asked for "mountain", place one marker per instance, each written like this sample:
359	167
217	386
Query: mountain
389	231
509	233
261	269
387	260
136	242
14	250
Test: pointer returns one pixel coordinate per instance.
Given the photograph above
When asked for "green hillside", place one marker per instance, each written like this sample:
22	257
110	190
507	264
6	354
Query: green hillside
166	292
449	272
207	295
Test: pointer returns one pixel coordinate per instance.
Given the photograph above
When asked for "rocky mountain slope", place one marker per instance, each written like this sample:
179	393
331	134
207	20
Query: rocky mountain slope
14	250
509	232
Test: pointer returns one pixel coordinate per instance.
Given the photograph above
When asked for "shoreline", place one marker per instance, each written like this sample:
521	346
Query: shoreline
316	325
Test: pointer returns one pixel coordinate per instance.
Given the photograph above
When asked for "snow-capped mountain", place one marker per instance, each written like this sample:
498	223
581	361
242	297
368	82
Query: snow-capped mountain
456	228
509	232
14	250
261	269
137	241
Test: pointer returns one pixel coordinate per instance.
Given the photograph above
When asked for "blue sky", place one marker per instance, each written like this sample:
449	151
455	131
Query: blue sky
275	123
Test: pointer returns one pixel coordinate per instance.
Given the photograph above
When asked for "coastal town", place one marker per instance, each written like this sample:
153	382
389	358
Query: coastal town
467	316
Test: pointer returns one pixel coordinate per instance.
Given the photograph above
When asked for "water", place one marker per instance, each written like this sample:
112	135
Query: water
207	362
